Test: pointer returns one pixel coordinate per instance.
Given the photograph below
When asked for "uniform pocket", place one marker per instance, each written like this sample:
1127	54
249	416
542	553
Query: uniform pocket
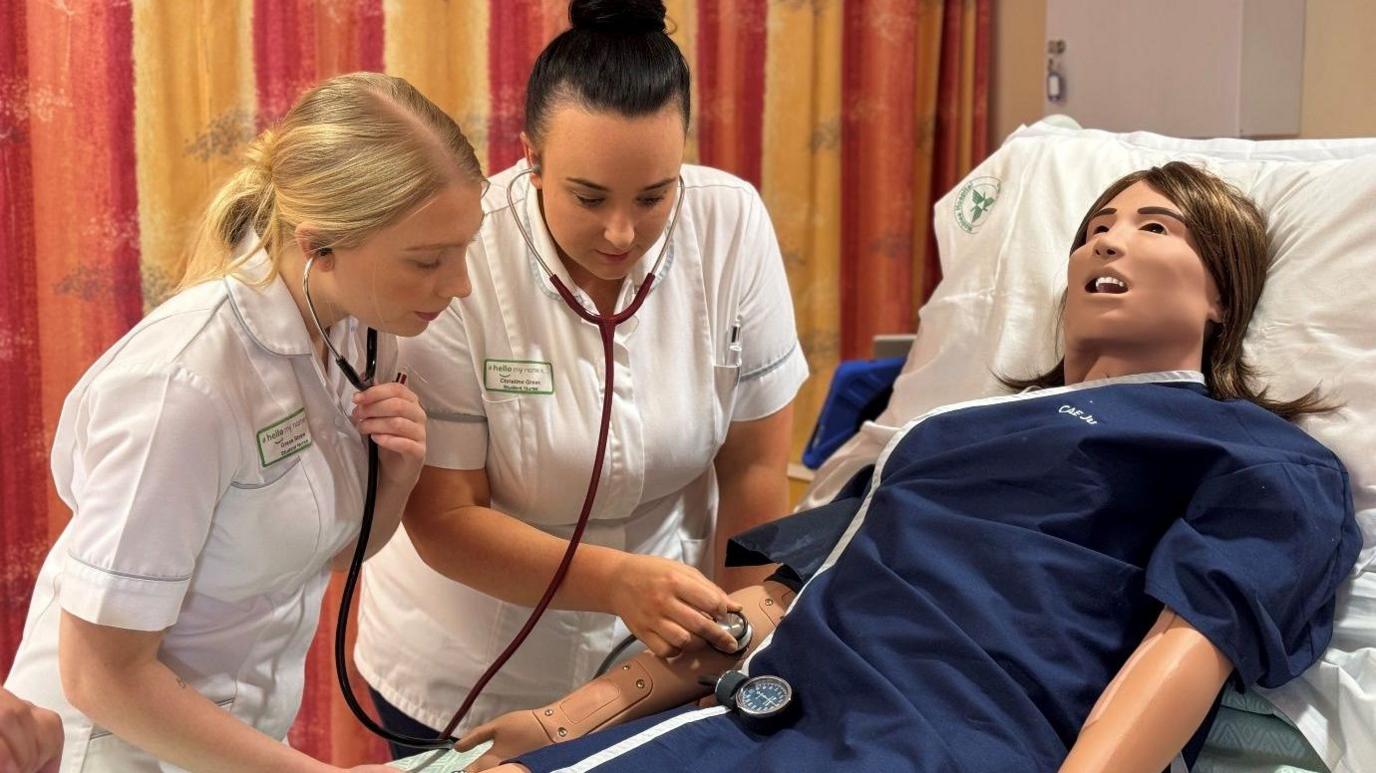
106	751
271	476
263	537
506	454
725	378
695	553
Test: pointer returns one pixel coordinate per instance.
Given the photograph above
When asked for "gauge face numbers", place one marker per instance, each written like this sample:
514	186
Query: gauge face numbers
763	696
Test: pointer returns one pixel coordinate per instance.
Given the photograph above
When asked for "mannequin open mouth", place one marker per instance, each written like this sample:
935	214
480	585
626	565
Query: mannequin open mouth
1106	285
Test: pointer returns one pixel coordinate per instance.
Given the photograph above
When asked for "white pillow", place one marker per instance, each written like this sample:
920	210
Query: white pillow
1003	266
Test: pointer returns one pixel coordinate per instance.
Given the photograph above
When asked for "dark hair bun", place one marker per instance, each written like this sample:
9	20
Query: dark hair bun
626	17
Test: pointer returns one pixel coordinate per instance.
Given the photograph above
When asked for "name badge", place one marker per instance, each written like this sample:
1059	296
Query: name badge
519	376
283	438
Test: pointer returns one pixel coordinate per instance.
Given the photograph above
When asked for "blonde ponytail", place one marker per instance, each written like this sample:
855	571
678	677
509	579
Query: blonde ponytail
353	155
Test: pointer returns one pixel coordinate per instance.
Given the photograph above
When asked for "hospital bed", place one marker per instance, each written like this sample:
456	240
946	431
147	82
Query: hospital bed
1315	325
1004	266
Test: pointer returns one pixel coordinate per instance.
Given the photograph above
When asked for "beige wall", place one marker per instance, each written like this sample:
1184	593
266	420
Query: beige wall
1339	97
1015	89
1339	92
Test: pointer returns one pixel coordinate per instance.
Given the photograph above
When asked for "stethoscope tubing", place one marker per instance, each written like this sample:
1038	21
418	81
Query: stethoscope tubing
606	325
341	655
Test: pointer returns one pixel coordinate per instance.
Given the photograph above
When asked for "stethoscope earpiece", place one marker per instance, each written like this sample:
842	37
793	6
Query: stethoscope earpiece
564	292
361	383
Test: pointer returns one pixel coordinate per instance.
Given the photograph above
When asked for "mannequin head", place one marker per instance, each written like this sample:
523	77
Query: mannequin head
1165	272
1165	263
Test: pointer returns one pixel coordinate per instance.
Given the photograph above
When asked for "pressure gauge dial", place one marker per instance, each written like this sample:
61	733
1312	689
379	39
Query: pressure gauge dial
761	701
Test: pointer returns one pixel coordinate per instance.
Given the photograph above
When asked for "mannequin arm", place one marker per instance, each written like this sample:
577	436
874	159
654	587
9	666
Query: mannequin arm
641	686
1155	703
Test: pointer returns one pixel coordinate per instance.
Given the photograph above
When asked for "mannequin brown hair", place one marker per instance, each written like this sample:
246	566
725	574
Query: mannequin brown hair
1229	233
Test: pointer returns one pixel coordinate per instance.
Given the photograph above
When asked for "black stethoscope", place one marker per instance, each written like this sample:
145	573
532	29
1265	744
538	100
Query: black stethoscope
606	325
341	656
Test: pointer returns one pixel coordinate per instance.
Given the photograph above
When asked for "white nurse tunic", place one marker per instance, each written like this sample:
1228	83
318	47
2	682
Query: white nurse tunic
511	379
212	473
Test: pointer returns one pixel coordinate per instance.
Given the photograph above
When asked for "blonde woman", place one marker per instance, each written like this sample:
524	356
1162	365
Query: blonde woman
213	458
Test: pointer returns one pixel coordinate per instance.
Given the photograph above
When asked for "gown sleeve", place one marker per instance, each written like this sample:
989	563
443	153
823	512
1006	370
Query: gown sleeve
1256	561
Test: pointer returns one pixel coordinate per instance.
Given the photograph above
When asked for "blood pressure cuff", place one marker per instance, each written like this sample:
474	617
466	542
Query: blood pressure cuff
800	543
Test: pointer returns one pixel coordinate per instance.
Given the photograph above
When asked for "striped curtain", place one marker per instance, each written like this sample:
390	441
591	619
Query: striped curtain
117	119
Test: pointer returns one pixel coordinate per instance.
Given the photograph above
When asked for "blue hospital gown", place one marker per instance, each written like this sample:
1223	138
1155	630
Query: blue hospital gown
1011	554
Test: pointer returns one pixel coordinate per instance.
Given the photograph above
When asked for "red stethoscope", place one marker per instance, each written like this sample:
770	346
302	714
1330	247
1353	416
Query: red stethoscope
606	325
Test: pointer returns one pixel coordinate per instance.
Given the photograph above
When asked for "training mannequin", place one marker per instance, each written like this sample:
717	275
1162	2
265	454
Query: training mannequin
1064	577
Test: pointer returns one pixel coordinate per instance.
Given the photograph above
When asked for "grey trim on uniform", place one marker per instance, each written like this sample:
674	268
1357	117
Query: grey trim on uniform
125	575
254	486
775	365
461	418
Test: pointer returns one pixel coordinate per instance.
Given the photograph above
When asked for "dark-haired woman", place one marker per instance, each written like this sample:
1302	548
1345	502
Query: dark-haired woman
705	374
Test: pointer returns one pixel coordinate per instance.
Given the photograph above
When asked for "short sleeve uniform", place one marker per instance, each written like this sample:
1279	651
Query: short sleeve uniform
512	381
212	473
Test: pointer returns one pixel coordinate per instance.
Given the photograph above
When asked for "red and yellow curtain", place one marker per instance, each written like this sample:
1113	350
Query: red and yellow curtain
117	119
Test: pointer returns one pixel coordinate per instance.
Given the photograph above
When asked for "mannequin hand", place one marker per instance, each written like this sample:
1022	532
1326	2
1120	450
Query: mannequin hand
30	737
511	734
391	415
669	605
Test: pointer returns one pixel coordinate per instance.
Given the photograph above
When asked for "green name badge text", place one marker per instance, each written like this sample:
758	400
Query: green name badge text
283	438
527	377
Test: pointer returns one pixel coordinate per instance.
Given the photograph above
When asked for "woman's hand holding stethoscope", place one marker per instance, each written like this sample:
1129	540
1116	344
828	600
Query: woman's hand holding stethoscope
391	415
669	605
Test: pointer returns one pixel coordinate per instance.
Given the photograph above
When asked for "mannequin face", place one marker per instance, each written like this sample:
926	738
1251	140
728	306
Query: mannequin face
1138	296
608	184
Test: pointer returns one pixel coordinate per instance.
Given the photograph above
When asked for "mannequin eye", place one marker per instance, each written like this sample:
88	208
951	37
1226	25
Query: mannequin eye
1155	228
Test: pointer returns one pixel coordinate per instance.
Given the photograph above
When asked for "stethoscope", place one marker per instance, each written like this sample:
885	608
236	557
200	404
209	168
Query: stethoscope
341	656
606	325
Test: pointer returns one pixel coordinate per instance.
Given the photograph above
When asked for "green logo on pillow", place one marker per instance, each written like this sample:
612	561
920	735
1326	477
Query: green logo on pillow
975	200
